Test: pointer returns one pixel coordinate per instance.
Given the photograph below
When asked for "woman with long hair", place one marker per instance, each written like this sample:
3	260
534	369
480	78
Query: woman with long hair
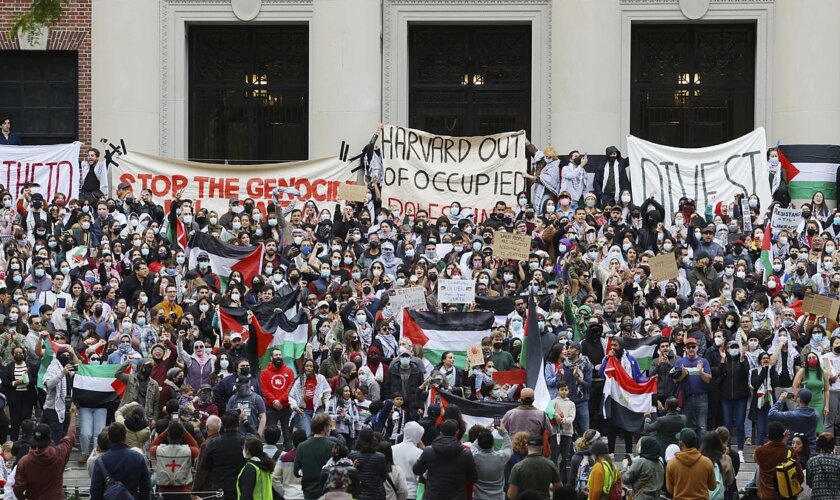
604	475
309	394
372	466
254	480
713	449
763	380
343	410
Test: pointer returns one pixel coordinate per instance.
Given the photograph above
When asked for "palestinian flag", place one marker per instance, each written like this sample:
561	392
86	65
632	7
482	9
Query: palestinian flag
625	400
766	260
224	258
50	348
177	235
96	384
475	412
501	307
531	359
810	168
289	334
641	349
440	332
230	319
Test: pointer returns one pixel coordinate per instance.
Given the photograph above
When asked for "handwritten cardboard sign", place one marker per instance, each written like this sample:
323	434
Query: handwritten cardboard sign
663	267
352	192
475	356
785	218
409	298
456	291
511	245
820	305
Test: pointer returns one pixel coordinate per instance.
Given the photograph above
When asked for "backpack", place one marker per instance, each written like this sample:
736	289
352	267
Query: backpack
786	483
582	476
615	492
173	466
114	489
718	492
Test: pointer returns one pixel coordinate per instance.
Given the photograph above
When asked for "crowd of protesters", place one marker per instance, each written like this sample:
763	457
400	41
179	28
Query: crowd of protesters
351	418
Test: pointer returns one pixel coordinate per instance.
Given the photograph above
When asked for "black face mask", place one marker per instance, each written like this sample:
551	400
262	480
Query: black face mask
670	293
18	358
806	215
336	354
837	349
497	345
800	271
374	358
433	277
374	244
245	371
294	280
595	330
718	266
146	371
226	345
366	290
811	231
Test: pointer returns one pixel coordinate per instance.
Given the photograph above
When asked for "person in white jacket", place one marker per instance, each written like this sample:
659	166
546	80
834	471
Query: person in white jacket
407	453
304	407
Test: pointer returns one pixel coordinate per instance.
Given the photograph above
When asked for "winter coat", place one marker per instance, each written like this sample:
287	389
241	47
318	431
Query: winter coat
449	467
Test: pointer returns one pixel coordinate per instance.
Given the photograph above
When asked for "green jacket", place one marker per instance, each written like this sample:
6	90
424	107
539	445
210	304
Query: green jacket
132	390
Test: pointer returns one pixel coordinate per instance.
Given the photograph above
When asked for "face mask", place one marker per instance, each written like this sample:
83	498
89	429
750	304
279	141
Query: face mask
625	198
336	354
144	252
325	273
85	225
686	321
7	203
236	226
830	250
727	294
141	320
455	211
65	270
590	203
730	323
812	363
522	202
405	361
806	215
144	300
13	316
549	208
224	364
836	349
753	344
719	341
516	325
234	297
734	352
188	219
533	266
741	274
800	271
828	266
400	281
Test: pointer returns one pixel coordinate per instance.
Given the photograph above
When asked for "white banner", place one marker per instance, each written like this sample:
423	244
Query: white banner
211	186
785	218
423	171
456	291
54	168
704	175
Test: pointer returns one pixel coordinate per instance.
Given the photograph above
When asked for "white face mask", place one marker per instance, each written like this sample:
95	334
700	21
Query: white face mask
777	267
667	247
741	274
625	198
719	341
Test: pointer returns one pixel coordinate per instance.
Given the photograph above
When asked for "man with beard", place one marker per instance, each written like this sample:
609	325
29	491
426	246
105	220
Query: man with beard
140	387
251	407
578	376
612	178
616	349
276	380
227	386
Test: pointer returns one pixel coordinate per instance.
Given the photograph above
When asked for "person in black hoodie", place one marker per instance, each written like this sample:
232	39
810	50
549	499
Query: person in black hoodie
735	390
611	179
448	466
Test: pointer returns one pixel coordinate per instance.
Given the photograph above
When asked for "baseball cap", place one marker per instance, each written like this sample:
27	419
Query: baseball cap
235	335
690	341
709	228
42	435
323	303
123	185
535	440
203	255
687	436
234	200
804	395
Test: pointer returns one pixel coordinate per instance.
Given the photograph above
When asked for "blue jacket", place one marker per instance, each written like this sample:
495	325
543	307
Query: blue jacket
125	465
803	419
634	368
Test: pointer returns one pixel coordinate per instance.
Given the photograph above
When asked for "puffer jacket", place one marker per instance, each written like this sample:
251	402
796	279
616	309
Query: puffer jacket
373	470
448	467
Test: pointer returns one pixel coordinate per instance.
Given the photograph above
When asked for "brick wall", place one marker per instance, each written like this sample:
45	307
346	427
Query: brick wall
73	32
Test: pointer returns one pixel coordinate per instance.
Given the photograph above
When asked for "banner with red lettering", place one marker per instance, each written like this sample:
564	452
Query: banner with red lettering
211	186
423	171
54	168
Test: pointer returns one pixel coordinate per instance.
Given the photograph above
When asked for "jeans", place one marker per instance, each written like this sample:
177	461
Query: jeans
761	421
91	423
696	408
563	458
57	429
734	413
303	422
581	418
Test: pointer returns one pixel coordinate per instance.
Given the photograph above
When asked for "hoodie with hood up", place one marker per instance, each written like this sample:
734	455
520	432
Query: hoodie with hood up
449	467
690	475
407	453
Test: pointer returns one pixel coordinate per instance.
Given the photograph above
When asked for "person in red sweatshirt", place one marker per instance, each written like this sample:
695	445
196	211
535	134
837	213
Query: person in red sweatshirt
276	380
40	474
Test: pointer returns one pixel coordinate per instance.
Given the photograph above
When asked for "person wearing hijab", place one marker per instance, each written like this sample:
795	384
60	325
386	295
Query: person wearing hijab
376	364
646	475
199	365
785	360
388	259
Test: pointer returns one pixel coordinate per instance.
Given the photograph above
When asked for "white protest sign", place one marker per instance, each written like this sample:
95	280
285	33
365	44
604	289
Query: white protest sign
409	298
456	291
211	186
785	218
54	168
703	174
746	220
428	172
442	249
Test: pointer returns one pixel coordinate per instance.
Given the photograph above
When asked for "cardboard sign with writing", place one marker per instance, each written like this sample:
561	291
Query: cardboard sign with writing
511	246
663	267
352	192
409	298
820	305
475	356
456	291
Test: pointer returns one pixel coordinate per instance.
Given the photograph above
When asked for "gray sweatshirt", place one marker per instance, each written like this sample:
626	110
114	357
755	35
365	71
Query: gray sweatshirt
490	466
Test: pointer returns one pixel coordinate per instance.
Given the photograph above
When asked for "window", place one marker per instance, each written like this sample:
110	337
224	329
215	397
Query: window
470	80
693	85
39	92
248	93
